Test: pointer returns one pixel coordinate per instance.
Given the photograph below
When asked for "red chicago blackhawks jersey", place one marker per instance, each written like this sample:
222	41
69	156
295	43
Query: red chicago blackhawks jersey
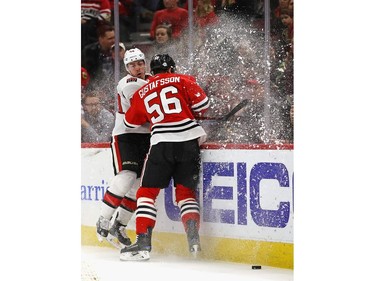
169	101
95	9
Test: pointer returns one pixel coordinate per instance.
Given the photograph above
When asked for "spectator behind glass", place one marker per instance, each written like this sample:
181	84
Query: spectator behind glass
107	82
121	54
96	57
163	43
127	20
291	5
226	4
172	15
93	13
286	17
163	34
276	24
283	4
204	21
98	61
96	122
195	2
145	10
204	14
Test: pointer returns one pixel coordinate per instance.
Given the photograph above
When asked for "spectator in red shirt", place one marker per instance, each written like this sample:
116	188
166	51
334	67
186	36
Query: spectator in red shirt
195	2
283	4
173	16
93	12
204	13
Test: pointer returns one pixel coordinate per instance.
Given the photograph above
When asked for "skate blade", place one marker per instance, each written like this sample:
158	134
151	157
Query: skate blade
100	238
135	256
114	242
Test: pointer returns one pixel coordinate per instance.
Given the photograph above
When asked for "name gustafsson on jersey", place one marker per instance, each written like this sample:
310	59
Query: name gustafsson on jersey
156	83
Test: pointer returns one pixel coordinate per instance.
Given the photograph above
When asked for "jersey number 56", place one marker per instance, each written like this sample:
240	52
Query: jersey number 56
168	105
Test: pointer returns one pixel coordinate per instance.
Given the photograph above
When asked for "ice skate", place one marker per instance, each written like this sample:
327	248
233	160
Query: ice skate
193	238
117	236
140	250
102	228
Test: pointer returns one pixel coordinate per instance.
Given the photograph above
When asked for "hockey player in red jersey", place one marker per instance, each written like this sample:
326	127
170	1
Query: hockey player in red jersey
169	102
129	148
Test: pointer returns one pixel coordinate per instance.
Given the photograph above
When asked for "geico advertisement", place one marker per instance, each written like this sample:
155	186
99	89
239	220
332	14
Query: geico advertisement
245	194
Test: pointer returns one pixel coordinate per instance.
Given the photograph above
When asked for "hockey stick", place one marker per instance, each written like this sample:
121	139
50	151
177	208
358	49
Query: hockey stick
235	109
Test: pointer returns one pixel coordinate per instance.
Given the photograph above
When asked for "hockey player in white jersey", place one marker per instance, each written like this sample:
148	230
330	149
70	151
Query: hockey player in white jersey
129	148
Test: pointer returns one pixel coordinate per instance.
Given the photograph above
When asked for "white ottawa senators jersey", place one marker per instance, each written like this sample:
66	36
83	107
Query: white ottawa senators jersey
169	102
126	87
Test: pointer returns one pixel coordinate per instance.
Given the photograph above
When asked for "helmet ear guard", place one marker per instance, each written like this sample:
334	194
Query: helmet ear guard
132	55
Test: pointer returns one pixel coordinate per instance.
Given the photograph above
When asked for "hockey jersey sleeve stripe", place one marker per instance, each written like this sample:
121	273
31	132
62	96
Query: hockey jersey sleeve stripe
175	127
129	125
185	122
174	130
201	105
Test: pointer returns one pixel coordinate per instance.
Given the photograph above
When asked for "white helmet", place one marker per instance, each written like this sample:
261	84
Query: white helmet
131	55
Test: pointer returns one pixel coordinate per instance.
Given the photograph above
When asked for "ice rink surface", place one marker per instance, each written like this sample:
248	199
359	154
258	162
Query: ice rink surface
103	264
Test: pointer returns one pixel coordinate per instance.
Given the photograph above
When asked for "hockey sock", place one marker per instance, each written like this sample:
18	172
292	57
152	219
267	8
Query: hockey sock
189	210
118	187
189	207
145	215
126	210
